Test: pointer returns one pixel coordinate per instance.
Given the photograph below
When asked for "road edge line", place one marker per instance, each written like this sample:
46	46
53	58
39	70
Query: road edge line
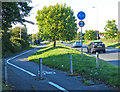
57	86
19	67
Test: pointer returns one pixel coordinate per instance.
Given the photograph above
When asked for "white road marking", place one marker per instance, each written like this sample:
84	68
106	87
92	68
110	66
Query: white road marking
46	72
57	86
18	66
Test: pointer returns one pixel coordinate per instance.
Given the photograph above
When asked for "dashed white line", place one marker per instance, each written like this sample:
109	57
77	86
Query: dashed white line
18	66
57	86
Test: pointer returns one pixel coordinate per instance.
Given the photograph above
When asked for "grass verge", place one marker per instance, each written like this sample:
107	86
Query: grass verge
112	44
6	87
58	58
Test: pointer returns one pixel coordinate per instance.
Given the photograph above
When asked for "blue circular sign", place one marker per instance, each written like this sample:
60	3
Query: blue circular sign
81	23
81	15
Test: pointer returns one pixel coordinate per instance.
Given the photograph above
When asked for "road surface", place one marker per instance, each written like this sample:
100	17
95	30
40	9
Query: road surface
111	56
23	75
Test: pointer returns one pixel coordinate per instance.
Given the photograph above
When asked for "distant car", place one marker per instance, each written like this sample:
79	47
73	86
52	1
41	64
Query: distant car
96	46
77	44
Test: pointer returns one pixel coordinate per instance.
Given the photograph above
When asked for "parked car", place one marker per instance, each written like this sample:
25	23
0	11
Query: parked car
77	44
96	46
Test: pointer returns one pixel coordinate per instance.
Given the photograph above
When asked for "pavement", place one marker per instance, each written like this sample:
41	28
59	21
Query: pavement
23	75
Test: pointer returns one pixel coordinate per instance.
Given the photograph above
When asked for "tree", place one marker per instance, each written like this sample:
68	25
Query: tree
15	32
90	35
118	36
78	36
13	12
56	22
110	29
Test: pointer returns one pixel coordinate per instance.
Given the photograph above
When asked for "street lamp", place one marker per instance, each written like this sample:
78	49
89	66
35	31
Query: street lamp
97	22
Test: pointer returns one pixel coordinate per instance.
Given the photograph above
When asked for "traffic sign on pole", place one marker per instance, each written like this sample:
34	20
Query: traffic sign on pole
81	23
81	15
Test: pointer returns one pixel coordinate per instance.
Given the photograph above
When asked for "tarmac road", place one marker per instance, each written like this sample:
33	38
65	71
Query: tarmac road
111	56
23	75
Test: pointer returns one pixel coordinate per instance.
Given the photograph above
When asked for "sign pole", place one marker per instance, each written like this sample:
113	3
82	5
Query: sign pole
81	15
81	45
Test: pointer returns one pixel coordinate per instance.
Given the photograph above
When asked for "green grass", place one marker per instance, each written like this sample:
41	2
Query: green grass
58	58
6	87
112	44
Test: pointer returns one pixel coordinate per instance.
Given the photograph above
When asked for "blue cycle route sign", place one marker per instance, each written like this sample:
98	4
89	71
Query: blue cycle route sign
81	15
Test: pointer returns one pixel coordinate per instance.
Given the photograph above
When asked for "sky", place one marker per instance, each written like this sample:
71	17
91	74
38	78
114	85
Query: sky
98	12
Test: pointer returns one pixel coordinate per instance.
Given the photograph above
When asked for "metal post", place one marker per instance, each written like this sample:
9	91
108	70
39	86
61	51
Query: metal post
32	40
97	59
71	67
81	45
6	71
97	23
40	68
36	39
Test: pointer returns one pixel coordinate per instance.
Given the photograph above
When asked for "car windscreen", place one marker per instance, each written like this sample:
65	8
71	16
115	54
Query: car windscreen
98	43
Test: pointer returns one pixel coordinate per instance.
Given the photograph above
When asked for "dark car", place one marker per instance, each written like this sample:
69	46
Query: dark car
96	46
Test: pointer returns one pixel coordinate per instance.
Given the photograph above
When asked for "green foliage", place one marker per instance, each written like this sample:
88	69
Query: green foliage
6	44
117	38
56	22
78	36
110	29
24	36
90	35
36	38
13	12
12	43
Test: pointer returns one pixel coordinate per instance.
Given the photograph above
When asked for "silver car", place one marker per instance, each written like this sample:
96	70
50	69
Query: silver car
77	44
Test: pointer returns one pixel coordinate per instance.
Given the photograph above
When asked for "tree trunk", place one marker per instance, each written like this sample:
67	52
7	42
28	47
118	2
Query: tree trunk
54	41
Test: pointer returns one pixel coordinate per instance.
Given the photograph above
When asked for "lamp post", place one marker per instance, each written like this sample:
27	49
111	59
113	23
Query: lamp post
97	21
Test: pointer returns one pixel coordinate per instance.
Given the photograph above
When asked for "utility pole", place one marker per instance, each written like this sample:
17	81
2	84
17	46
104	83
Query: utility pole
97	22
32	38
36	38
20	31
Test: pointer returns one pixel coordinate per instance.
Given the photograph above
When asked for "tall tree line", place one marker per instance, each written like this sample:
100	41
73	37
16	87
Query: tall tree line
12	13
